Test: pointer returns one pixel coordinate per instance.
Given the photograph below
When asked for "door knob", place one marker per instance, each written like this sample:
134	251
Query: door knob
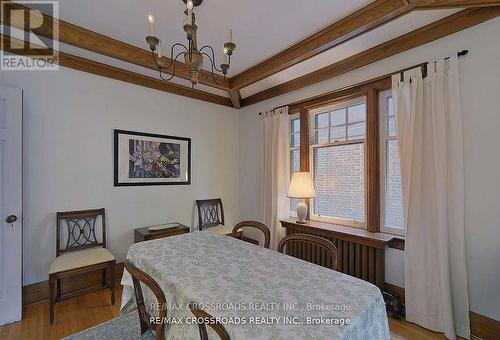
11	219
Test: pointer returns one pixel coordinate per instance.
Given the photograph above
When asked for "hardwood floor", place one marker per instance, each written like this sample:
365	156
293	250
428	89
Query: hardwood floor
91	309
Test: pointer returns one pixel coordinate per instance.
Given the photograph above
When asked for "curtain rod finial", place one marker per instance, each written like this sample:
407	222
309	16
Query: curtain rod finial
462	53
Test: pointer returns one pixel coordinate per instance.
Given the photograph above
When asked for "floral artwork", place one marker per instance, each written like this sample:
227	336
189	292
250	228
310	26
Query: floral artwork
154	159
151	159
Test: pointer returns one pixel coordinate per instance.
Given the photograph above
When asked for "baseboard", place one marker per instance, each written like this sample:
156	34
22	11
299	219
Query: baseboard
39	292
481	326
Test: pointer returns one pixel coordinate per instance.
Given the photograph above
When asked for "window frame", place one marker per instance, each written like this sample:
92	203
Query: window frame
384	138
294	116
370	89
343	103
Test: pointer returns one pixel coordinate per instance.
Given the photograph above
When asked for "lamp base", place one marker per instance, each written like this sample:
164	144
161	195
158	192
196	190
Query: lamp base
301	212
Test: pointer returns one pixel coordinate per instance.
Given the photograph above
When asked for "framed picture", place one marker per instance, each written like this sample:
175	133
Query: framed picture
150	159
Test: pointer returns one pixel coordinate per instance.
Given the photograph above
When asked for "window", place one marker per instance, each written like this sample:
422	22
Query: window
392	216
352	153
338	162
294	155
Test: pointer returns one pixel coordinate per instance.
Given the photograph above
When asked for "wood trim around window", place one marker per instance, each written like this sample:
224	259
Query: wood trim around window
305	165
372	162
370	90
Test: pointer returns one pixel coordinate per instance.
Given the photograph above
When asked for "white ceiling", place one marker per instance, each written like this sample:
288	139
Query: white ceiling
261	28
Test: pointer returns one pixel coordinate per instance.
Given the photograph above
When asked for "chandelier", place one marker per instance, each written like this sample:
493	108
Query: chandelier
193	57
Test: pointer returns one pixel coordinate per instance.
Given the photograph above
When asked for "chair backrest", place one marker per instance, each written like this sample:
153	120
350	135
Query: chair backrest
80	231
138	277
321	242
254	224
203	319
210	213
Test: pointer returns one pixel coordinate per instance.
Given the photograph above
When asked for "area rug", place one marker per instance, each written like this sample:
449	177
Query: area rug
123	328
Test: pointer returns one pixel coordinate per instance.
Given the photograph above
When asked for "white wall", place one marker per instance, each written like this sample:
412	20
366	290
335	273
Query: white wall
481	108
69	118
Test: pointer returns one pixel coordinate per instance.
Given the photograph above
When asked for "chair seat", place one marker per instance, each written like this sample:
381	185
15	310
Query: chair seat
220	229
80	258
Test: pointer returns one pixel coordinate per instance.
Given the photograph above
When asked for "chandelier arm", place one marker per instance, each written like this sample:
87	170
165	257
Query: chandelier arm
155	58
213	74
173	72
213	58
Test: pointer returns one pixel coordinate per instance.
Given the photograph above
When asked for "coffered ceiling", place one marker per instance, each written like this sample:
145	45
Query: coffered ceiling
261	28
377	36
277	41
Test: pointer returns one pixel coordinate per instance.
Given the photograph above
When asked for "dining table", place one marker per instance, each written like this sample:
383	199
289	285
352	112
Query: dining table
257	293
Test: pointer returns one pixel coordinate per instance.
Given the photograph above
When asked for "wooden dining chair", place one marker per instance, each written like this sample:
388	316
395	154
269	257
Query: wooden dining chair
204	317
320	242
252	224
138	277
210	213
82	252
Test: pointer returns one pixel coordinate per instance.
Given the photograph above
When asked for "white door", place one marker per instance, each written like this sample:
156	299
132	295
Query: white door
11	245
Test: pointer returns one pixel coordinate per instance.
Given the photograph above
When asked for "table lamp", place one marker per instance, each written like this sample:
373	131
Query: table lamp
301	186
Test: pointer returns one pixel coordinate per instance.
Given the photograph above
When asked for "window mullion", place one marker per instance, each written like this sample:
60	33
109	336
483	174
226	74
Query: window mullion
346	124
329	126
304	148
372	162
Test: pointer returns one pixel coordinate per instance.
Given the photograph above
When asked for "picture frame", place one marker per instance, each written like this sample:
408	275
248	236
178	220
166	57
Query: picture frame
142	159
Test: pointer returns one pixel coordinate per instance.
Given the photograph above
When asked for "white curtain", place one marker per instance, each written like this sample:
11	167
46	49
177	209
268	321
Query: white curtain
275	174
429	128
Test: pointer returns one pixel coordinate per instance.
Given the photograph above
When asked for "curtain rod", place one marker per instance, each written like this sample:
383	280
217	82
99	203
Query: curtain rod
424	65
459	54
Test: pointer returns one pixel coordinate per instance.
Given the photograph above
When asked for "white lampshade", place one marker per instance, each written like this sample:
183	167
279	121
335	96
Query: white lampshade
301	186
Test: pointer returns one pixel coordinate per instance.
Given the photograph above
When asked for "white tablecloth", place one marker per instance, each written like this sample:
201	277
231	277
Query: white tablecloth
259	293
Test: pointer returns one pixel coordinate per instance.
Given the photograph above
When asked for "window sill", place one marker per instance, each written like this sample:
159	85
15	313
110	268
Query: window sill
377	240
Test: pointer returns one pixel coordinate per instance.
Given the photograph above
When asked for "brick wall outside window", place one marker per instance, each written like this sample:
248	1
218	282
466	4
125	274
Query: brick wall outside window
339	179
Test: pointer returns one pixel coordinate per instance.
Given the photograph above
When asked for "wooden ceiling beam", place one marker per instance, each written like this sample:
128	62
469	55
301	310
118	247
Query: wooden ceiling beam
98	43
93	67
235	98
369	17
441	4
439	29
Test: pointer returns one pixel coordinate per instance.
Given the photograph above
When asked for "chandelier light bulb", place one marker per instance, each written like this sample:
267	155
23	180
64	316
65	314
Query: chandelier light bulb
151	20
190	4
